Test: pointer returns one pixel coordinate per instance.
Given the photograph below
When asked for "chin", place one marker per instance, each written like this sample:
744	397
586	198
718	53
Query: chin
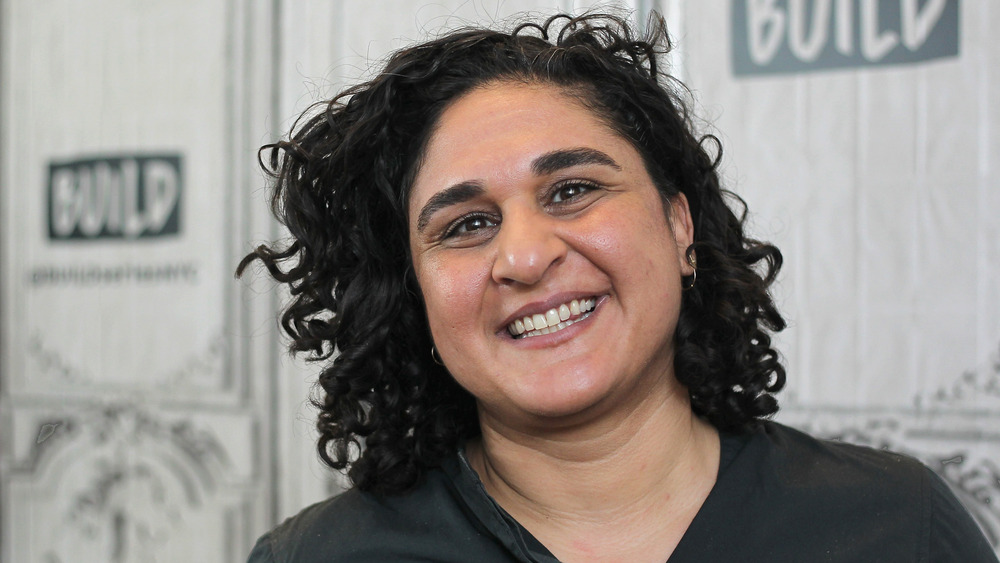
569	401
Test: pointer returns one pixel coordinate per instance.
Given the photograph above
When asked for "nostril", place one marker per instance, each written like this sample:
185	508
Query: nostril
527	262
527	249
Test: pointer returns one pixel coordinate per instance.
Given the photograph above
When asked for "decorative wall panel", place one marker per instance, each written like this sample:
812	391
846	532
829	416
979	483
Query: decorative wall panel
117	483
880	186
108	299
131	408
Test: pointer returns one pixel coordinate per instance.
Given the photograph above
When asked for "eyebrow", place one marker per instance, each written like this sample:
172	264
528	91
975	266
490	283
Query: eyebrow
557	160
545	164
459	193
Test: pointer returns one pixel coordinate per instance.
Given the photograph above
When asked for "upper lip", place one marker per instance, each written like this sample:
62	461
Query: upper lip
540	307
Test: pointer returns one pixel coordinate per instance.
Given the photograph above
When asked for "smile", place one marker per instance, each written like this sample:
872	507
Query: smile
553	320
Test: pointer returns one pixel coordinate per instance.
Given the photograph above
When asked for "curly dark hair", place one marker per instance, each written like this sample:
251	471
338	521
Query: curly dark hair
387	411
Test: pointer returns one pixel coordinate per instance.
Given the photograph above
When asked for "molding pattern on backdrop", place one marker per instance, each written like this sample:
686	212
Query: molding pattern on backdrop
954	429
204	369
52	364
125	478
199	370
128	425
983	385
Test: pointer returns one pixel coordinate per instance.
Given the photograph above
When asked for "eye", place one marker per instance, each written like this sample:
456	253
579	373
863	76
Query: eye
568	191
469	224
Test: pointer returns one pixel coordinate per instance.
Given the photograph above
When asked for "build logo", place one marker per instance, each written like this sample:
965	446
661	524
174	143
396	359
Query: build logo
792	36
121	197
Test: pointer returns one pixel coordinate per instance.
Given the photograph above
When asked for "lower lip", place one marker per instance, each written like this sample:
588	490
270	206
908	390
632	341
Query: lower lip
558	337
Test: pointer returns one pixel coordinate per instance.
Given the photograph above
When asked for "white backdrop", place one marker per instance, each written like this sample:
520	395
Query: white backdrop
147	409
881	187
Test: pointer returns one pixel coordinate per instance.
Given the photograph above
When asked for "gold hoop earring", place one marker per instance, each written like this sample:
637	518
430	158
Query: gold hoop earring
692	261
688	285
435	356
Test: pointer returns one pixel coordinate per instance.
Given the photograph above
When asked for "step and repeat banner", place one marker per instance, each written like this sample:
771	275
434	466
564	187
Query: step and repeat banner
147	409
863	134
130	428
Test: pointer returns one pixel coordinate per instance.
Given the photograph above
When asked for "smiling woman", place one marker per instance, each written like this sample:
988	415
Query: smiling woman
544	333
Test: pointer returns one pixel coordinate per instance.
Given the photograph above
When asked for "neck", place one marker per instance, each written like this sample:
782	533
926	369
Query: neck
594	490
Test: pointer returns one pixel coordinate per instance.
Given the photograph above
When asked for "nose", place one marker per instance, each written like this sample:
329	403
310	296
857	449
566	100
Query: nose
528	246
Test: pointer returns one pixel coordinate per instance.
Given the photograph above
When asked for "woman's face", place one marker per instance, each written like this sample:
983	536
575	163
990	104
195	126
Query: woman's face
529	208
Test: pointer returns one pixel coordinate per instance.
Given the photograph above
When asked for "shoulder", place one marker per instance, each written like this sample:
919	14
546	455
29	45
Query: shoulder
884	491
953	534
827	485
800	459
426	523
846	502
326	530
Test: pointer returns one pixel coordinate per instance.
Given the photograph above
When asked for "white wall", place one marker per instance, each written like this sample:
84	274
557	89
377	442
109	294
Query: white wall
881	185
133	411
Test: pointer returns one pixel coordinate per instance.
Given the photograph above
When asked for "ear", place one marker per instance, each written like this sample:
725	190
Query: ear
683	227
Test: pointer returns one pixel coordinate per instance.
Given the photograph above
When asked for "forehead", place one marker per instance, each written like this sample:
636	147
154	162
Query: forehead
500	108
494	132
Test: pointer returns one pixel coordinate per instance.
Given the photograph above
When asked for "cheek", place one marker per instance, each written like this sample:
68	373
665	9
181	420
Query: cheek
631	246
452	296
638	249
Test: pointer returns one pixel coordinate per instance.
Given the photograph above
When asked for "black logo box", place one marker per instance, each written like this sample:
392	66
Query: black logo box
115	197
779	37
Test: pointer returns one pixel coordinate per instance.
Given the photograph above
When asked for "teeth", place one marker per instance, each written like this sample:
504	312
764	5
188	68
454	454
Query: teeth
563	312
539	321
553	320
552	317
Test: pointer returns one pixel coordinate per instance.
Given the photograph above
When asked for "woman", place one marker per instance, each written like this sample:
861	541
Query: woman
549	333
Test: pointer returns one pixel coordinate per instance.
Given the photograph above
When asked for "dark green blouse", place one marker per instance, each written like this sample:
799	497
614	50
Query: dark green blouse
780	496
